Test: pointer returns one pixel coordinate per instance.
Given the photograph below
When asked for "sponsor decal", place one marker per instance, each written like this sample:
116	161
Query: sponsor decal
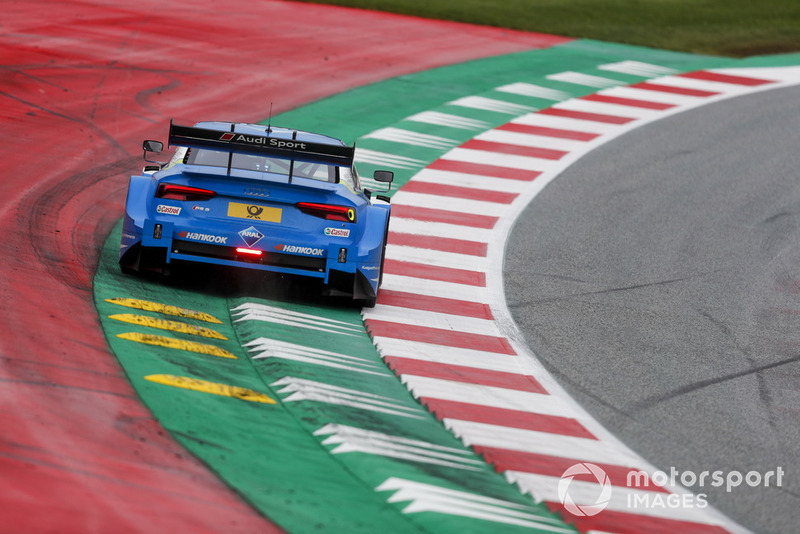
295	249
337	232
254	211
205	238
287	144
251	236
169	210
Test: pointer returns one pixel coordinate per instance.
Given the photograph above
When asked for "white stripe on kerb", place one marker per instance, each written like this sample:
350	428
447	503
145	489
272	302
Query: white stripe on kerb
532	441
473	181
437	229
443	321
451	260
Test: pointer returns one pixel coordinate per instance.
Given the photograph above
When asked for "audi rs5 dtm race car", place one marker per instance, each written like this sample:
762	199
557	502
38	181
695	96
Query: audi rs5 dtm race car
258	197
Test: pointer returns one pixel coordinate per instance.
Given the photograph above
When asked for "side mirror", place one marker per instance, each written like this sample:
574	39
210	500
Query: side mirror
385	177
153	146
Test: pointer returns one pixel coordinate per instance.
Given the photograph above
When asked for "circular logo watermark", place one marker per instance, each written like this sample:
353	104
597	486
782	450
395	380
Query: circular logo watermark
584	510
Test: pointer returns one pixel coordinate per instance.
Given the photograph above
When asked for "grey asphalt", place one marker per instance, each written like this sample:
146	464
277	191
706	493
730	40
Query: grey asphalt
658	280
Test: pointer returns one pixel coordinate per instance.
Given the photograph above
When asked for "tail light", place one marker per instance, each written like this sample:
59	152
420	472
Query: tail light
328	211
183	192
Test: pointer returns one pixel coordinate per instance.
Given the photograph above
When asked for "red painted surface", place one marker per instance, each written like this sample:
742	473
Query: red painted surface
471	220
444	244
584	116
481	169
725	78
625	523
435	272
631	102
514	150
502	417
553	466
414	301
469	193
673	89
439	336
81	84
547	132
469	375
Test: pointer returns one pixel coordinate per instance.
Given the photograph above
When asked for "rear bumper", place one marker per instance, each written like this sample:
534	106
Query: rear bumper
346	268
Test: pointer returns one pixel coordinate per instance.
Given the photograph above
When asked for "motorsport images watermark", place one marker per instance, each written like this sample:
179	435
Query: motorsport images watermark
642	489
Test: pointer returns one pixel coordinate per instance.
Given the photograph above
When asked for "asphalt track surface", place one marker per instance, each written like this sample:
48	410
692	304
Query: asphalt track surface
81	84
658	279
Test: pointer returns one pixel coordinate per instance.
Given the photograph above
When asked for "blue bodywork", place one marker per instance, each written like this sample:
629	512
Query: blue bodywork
257	197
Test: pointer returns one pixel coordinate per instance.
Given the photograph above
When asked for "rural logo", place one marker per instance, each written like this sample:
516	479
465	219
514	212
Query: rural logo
603	498
251	236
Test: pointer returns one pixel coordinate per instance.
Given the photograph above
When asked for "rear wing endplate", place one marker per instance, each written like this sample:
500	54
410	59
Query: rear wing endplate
260	145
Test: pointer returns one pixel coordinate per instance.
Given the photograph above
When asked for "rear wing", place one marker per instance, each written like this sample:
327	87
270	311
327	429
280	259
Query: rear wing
261	145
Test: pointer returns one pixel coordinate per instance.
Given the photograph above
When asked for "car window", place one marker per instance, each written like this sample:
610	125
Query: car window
213	158
349	176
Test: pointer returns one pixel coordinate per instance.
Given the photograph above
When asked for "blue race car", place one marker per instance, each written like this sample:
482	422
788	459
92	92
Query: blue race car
258	197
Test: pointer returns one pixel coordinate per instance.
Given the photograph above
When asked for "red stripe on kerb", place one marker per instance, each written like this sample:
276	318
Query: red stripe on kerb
630	102
455	191
463	308
435	272
554	466
480	169
476	413
632	523
444	216
460	373
514	150
584	116
439	336
443	244
725	78
647	86
547	132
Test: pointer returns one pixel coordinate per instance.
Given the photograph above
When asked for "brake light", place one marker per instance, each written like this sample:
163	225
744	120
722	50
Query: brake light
328	211
249	251
183	192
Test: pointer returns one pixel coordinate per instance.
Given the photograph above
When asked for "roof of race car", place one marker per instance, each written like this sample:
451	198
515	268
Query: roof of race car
272	131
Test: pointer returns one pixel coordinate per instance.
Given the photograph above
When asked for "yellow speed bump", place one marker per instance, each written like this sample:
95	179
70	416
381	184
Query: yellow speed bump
173	343
165	309
214	388
163	324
